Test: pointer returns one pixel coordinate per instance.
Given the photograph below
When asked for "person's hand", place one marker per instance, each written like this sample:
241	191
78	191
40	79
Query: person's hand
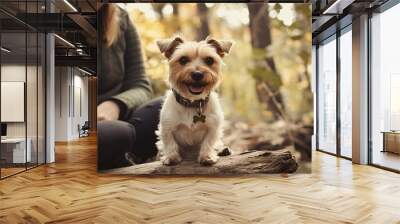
108	110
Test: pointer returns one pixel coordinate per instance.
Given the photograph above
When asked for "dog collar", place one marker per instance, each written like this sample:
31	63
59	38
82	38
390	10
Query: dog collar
198	104
190	103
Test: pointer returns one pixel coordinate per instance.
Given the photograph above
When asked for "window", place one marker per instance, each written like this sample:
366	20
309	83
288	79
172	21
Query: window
385	89
346	93
327	95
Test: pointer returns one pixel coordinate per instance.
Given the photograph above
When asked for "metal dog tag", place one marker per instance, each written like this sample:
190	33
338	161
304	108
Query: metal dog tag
199	118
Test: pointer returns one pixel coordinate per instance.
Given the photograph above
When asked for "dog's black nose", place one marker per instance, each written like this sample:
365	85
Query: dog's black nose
197	76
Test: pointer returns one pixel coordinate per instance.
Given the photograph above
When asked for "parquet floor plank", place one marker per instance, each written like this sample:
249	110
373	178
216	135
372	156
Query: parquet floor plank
71	191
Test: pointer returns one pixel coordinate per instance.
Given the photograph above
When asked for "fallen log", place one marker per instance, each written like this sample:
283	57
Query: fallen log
251	162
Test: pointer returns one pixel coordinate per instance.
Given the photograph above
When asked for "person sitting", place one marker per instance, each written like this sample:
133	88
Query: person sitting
127	117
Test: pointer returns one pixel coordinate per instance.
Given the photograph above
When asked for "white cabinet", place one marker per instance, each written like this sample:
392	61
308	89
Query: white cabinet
15	148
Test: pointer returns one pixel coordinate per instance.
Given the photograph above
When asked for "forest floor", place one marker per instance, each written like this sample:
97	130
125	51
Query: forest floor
241	136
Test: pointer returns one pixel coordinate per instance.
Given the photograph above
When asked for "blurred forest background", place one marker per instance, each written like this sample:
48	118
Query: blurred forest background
266	84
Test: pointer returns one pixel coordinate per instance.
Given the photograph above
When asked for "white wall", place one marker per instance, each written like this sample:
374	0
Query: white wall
81	96
71	102
61	103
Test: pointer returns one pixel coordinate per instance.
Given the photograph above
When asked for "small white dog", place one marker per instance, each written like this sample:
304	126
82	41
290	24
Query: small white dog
191	117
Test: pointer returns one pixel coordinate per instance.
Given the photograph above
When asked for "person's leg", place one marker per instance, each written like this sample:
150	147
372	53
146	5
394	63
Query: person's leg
145	120
114	140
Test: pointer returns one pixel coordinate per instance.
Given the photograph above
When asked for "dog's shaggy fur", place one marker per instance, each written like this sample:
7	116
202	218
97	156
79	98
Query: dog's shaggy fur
177	131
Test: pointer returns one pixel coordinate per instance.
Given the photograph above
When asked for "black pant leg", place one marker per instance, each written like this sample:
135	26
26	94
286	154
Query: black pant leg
114	139
145	120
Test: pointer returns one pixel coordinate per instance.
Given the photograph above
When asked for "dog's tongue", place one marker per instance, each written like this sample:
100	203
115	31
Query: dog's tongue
196	89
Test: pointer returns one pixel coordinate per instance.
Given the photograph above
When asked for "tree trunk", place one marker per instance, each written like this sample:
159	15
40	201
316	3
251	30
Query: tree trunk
251	162
175	7
176	22
204	29
260	30
158	8
302	141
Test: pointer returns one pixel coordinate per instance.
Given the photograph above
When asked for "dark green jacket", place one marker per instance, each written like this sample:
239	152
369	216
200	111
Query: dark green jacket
122	76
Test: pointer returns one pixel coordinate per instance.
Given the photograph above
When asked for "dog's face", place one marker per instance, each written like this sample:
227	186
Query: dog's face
194	66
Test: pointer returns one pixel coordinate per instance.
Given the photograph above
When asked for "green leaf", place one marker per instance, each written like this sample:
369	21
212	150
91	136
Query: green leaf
266	75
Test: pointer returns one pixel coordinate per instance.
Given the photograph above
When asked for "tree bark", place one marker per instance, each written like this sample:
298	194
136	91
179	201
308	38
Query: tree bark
175	6
260	30
158	8
302	141
176	21
204	29
251	162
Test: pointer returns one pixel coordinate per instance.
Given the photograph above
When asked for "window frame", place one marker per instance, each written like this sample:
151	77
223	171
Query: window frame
344	27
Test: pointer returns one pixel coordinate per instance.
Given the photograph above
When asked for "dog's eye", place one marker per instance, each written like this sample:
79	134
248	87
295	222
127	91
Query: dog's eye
209	61
183	60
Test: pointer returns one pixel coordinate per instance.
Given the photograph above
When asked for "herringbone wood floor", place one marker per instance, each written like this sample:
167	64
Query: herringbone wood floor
71	191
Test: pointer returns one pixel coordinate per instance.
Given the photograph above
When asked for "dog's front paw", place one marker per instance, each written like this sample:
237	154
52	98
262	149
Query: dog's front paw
208	160
171	160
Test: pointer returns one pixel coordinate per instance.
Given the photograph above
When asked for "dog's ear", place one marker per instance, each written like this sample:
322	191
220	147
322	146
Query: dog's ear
222	46
168	46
